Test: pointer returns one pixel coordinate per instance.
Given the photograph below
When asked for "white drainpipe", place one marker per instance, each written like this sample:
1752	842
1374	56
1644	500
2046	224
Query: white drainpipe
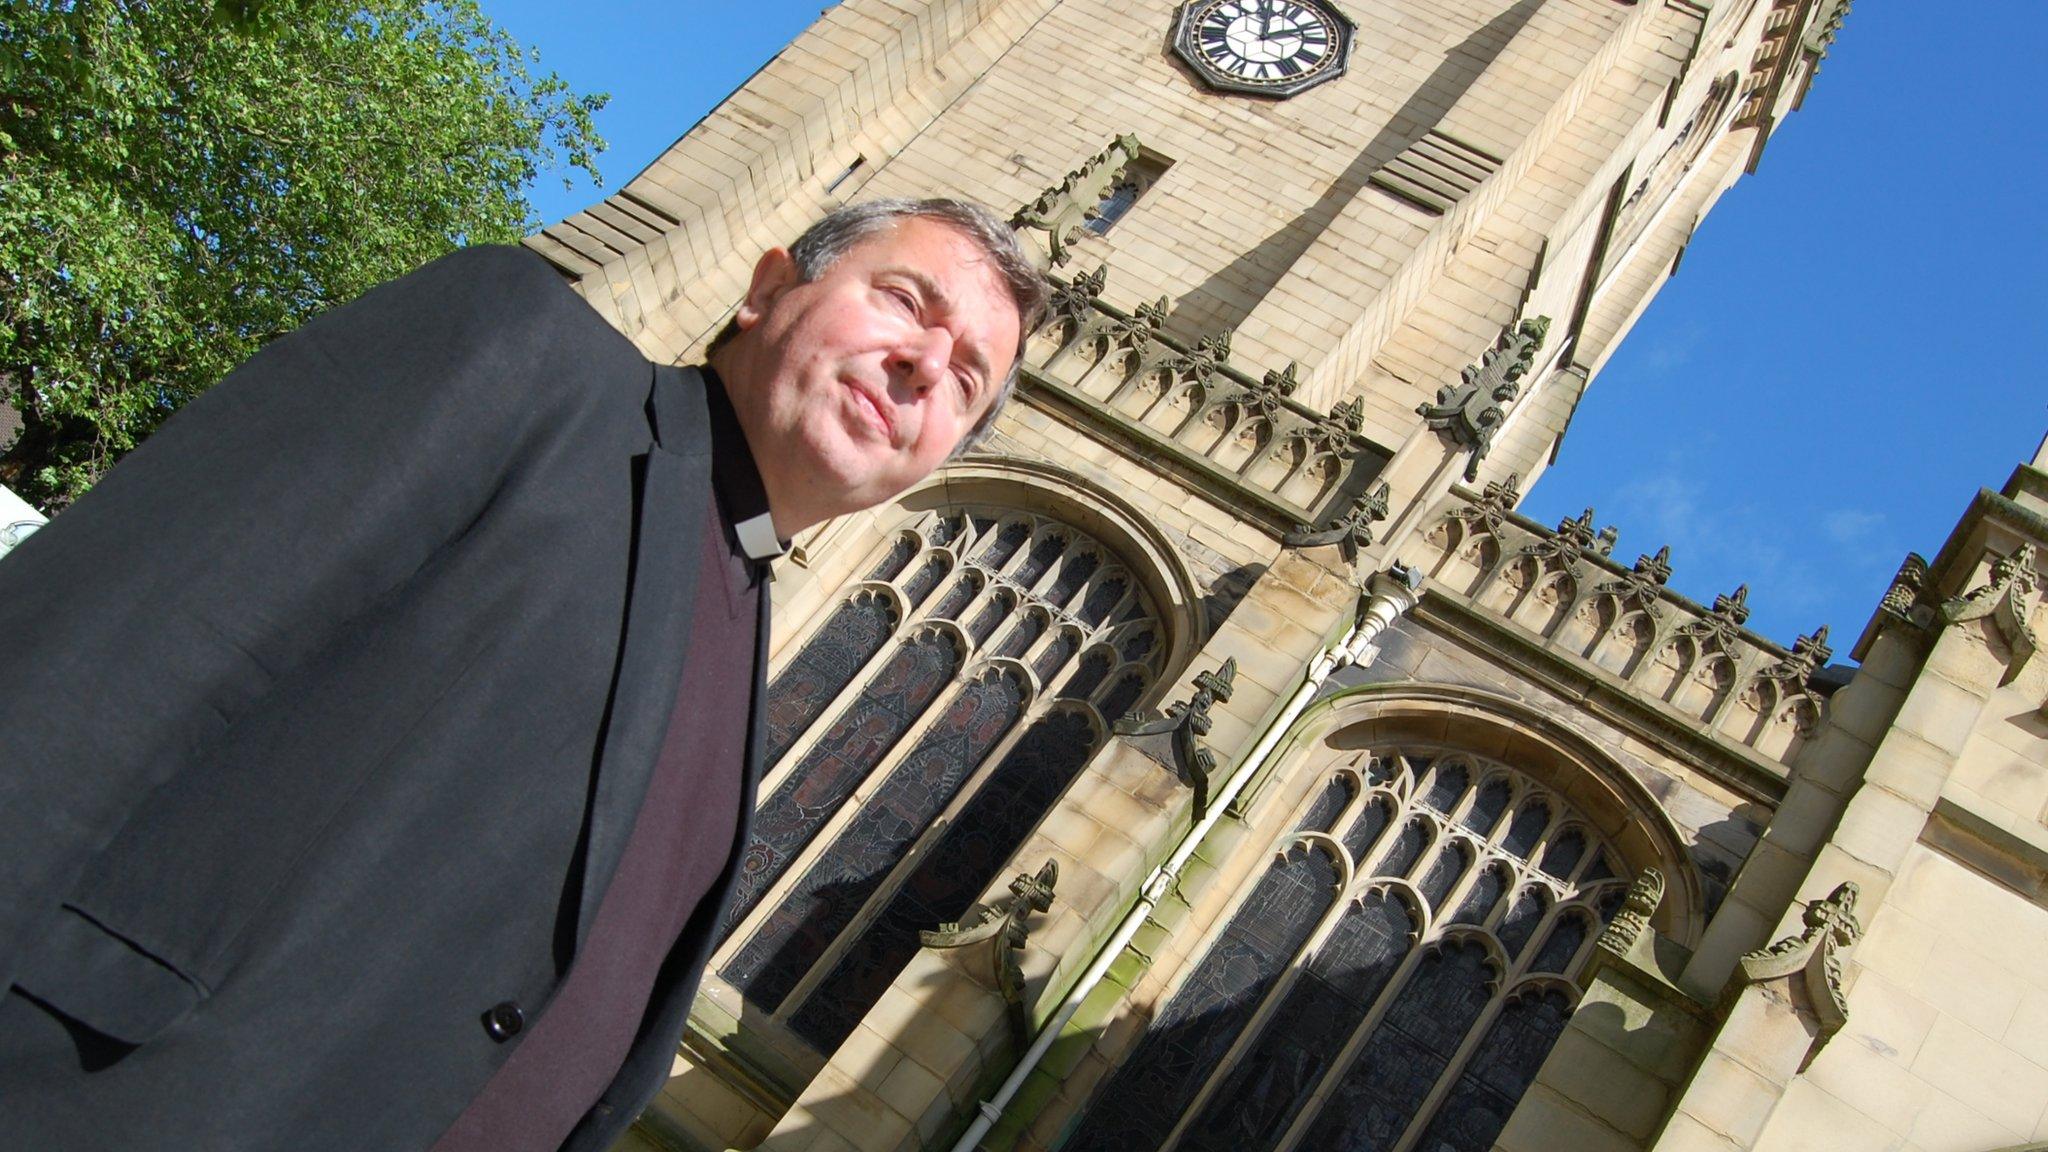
1388	594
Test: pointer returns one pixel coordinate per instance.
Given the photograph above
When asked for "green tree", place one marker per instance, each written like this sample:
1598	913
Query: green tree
181	180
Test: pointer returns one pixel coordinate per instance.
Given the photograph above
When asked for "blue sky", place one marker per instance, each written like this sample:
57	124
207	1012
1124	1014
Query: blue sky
1852	347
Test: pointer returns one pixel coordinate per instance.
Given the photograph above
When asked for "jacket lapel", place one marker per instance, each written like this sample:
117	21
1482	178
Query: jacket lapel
668	529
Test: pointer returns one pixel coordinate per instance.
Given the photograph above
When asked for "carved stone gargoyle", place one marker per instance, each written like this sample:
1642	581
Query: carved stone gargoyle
1188	721
1350	531
1003	925
1064	209
1469	412
2007	602
1811	963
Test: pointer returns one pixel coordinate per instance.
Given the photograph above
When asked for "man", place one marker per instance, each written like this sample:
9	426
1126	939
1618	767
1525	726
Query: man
380	738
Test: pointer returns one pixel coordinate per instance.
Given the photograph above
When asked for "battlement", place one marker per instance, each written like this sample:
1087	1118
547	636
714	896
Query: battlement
1563	586
1237	436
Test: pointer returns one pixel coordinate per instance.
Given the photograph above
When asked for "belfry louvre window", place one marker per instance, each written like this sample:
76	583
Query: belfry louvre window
1390	982
915	739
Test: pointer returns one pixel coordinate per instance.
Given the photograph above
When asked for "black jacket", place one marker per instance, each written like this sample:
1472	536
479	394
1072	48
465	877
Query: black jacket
324	718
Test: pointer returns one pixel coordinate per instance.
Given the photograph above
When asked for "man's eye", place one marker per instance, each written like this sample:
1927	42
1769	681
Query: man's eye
904	298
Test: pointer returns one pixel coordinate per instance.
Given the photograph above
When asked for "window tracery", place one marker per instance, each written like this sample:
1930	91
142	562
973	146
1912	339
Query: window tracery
1391	981
915	739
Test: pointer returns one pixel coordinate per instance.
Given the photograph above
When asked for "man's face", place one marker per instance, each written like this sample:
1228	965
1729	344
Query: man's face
854	386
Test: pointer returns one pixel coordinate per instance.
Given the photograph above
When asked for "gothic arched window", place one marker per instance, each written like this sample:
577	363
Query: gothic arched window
915	739
1391	981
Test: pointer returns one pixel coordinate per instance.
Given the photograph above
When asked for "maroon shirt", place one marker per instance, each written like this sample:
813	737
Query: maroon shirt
678	846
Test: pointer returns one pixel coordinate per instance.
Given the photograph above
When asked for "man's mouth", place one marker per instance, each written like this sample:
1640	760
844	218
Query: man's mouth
873	412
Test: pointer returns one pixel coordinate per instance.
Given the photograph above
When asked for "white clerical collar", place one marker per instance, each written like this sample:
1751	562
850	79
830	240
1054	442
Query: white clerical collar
758	539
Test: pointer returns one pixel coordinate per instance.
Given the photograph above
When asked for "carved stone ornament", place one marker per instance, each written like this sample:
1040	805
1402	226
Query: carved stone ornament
1335	432
1632	923
1723	627
1494	504
2007	602
1469	412
1073	302
1573	539
1906	599
1202	363
1265	397
1808	653
1188	721
1642	586
1812	962
1827	23
1003	926
1351	531
1137	330
1063	210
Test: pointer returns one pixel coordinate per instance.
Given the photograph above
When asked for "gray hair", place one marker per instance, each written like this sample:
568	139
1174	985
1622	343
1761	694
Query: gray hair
842	229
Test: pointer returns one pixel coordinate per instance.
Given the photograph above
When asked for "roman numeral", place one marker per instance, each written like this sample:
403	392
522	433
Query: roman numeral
1288	67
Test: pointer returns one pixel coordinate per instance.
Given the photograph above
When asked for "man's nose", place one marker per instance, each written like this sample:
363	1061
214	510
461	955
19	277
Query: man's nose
922	358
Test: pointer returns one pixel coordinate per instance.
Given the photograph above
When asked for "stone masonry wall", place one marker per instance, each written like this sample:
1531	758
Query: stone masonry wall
1266	222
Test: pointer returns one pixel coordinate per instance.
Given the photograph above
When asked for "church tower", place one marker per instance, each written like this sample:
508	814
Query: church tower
1216	759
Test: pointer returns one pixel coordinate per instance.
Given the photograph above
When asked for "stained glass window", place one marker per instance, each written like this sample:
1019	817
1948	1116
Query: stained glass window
808	796
970	674
1197	1027
968	856
807	918
1406	1009
1329	803
849	639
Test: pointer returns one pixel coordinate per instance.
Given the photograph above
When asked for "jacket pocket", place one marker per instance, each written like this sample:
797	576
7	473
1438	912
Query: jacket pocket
103	981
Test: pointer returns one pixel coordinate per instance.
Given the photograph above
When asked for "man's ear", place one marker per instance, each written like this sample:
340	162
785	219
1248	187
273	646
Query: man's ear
774	273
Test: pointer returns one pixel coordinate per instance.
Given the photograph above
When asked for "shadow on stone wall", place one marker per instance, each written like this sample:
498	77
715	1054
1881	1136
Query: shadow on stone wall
1222	301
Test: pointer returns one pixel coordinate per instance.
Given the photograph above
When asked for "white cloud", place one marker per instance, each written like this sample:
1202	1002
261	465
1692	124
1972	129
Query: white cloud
1672	348
1848	526
1717	538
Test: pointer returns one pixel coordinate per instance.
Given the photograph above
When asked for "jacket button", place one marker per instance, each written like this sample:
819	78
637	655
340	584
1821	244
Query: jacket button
504	1021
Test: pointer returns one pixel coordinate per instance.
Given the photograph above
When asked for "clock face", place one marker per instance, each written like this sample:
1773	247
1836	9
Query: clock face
1274	47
